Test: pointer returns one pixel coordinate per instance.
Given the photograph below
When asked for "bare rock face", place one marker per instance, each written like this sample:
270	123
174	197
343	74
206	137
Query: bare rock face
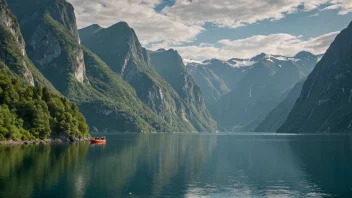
50	30
27	74
170	66
9	21
63	12
10	24
80	70
46	42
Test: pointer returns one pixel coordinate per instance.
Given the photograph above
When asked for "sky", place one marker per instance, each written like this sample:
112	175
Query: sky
224	29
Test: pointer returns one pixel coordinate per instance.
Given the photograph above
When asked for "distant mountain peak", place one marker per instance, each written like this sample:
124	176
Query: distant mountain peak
93	26
121	24
213	61
259	57
172	50
304	54
88	31
167	50
161	50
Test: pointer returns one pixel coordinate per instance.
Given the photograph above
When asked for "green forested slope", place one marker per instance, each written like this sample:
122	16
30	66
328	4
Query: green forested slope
28	112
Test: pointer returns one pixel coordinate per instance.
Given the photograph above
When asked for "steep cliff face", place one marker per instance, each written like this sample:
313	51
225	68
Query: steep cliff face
170	66
106	100
50	30
115	107
325	101
119	47
279	115
13	53
213	87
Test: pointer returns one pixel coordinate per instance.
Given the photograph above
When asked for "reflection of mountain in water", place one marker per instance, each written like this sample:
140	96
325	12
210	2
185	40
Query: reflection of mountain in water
328	164
247	167
166	165
225	165
147	164
25	169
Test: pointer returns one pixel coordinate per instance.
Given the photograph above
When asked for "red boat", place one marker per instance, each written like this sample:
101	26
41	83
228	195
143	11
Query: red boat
98	140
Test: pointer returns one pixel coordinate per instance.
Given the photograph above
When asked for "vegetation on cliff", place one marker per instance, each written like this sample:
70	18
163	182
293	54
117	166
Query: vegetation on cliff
28	113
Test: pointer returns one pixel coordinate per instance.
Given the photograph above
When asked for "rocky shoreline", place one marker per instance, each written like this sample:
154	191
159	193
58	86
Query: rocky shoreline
45	141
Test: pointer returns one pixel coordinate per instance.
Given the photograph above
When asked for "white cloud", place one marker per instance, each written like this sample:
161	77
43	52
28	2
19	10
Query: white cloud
314	15
344	6
235	13
139	14
182	22
278	44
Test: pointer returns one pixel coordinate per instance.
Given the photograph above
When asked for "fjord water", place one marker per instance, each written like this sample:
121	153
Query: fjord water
181	165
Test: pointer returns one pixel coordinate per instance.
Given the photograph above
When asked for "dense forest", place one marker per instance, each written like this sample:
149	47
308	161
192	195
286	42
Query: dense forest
28	113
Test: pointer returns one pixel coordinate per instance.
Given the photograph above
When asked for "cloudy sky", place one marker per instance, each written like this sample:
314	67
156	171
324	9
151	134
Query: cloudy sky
224	29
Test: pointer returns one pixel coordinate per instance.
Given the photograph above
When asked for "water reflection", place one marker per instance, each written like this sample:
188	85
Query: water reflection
329	165
25	169
163	165
145	164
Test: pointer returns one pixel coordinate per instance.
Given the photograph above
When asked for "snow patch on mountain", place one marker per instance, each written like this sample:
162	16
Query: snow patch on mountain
238	62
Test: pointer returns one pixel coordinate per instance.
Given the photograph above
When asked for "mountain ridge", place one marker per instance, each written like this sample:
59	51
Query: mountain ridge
109	103
251	91
127	58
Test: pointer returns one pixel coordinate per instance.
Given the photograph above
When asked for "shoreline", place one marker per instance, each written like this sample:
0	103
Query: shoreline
45	141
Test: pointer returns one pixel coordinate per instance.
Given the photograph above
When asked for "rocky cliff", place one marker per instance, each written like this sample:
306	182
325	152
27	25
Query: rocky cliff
324	104
50	31
279	115
170	66
120	48
213	87
106	100
13	53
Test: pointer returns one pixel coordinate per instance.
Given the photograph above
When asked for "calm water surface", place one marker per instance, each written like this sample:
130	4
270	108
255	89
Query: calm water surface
179	165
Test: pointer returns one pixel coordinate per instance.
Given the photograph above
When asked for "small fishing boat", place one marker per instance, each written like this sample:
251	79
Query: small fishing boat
101	140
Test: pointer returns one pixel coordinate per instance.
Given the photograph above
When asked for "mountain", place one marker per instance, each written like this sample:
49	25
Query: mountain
265	84
53	45
170	66
116	107
28	110
50	31
279	115
213	87
13	56
324	104
86	32
13	45
119	47
217	78
230	71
